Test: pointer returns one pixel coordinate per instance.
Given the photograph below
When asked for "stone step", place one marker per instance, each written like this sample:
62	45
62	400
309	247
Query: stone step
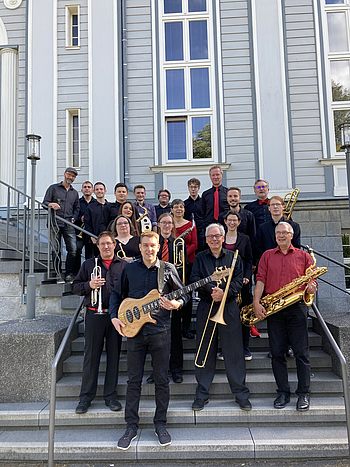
194	443
315	340
259	382
323	410
260	361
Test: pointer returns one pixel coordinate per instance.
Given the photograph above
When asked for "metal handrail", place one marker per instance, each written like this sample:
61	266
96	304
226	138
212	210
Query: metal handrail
328	258
56	360
343	364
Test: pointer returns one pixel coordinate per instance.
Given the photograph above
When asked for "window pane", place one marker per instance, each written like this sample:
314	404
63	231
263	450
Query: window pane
198	40
175	89
176	140
75	20
200	98
172	6
173	41
340	116
201	137
337	31
197	5
332	2
340	76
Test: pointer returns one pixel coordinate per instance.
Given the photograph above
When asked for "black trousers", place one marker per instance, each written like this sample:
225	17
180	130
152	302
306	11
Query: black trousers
289	327
98	329
176	348
158	345
232	349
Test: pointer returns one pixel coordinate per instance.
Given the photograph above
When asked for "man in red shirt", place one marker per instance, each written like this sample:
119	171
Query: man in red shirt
278	267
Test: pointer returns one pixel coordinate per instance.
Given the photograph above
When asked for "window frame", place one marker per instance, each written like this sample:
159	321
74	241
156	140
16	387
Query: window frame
71	11
187	64
332	57
70	155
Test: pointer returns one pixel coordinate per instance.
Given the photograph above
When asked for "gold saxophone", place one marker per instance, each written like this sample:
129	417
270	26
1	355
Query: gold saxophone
285	296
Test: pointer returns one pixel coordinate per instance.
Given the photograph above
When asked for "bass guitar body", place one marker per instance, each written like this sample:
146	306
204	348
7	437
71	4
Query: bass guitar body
134	313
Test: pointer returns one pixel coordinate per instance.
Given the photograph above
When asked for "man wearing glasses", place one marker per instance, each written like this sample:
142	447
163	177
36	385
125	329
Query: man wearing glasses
230	335
278	267
260	207
265	235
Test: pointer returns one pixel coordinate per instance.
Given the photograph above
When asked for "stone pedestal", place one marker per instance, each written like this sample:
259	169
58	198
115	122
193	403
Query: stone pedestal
27	349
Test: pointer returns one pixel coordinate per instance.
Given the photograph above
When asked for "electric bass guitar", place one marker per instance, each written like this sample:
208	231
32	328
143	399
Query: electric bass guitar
136	312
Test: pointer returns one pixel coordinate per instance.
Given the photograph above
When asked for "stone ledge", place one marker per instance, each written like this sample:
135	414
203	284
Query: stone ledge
28	348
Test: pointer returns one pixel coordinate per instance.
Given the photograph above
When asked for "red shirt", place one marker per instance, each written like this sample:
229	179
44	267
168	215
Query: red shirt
276	269
107	262
190	240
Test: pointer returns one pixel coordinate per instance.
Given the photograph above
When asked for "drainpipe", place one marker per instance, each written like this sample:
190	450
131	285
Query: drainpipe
124	93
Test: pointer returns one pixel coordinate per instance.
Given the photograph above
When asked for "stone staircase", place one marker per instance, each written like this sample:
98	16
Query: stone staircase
220	433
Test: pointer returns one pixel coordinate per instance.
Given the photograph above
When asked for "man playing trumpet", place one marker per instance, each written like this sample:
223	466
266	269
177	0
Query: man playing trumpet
95	280
231	334
277	268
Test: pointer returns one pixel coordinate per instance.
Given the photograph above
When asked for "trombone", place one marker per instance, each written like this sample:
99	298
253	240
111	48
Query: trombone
96	294
218	318
179	256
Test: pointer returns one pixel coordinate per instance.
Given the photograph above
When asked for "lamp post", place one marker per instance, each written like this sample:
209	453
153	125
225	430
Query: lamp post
33	155
345	141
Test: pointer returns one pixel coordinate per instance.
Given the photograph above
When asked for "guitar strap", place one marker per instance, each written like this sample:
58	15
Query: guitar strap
161	277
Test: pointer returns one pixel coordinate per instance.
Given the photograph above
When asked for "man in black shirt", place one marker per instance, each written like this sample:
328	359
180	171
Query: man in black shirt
63	200
83	241
247	224
139	278
230	335
98	326
214	200
121	195
163	206
193	208
260	207
98	215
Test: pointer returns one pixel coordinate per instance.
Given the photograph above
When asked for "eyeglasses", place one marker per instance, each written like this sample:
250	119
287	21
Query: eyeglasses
122	223
165	223
283	232
231	220
261	187
275	204
108	244
213	237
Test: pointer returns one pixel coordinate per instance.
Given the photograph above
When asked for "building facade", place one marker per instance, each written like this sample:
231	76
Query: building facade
156	91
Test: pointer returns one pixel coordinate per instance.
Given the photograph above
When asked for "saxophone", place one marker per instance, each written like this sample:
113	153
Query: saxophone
287	295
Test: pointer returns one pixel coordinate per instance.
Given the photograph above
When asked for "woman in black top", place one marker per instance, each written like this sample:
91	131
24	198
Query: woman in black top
127	245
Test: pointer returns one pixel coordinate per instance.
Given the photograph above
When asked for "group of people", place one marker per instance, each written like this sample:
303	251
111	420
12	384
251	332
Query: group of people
183	242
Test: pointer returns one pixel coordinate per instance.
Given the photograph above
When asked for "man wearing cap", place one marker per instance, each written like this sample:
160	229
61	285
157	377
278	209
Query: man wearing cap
63	200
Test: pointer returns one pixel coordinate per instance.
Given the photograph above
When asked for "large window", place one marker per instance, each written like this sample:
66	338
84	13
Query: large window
187	80
338	23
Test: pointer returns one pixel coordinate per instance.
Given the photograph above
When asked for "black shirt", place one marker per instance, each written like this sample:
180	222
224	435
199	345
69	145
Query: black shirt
97	217
208	204
112	275
206	263
260	212
162	210
67	199
83	205
193	207
131	249
136	281
247	225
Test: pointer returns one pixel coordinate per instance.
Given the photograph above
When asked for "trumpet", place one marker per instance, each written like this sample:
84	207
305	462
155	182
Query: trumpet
218	318
179	255
96	294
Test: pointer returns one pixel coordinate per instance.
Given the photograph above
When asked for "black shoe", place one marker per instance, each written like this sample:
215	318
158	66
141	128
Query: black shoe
163	436
82	407
177	377
114	405
125	441
281	401
244	404
303	402
198	404
150	379
69	278
188	335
